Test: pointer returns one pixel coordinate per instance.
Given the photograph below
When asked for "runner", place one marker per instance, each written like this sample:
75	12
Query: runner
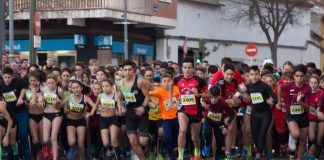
12	92
93	129
155	122
35	112
230	91
75	110
189	111
109	121
123	139
314	138
246	112
155	117
50	99
270	79
135	92
263	99
220	116
297	100
66	87
8	129
170	122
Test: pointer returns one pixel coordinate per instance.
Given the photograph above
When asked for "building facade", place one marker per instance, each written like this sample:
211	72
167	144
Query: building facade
212	21
78	30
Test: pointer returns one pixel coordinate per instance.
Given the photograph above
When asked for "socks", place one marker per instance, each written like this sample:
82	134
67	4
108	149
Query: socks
181	152
15	149
117	152
318	150
197	152
0	151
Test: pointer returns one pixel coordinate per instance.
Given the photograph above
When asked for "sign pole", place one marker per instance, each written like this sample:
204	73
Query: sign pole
11	31
32	50
251	61
125	31
2	31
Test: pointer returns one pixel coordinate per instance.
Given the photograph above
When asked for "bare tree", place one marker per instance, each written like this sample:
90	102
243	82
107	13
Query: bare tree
272	16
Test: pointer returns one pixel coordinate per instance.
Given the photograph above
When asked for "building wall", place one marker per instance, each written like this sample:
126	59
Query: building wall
167	10
228	38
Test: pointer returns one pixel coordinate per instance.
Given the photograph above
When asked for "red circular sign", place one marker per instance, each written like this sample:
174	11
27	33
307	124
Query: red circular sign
251	50
37	23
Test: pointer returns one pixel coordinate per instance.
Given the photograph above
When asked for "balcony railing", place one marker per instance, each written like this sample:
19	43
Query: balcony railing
134	6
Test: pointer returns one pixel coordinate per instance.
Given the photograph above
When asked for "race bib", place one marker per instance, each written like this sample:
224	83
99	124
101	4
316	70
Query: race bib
130	97
77	108
154	108
231	103
108	103
256	98
174	103
188	100
313	111
50	97
10	96
296	109
240	112
29	95
248	110
214	116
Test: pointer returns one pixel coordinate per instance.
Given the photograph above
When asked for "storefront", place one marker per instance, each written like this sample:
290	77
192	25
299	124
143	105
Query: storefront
69	50
112	52
142	53
62	50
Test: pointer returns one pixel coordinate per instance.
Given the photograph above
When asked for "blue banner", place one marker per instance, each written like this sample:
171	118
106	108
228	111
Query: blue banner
143	49
46	45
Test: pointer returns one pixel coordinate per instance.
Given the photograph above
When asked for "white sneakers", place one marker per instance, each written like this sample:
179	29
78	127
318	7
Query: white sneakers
292	143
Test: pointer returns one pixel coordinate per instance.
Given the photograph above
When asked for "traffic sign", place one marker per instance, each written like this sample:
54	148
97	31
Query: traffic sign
37	23
251	50
37	41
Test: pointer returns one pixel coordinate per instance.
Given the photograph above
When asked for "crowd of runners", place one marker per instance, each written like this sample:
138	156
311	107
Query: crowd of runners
163	110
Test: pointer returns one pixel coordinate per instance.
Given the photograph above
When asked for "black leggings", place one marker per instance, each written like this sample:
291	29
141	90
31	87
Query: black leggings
260	122
95	139
219	141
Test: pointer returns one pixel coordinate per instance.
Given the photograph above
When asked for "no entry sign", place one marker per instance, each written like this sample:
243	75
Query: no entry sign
37	23
251	50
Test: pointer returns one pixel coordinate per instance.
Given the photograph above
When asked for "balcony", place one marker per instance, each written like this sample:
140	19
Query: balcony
134	6
142	11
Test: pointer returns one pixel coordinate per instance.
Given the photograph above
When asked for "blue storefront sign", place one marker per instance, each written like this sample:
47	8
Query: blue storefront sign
46	45
143	49
103	41
118	47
